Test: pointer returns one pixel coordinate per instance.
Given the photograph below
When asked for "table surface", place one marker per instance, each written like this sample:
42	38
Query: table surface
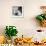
30	45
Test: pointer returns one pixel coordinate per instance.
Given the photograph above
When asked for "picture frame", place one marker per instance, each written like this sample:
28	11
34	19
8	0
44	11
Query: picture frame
17	11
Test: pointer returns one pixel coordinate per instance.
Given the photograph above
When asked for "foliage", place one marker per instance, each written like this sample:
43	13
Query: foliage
11	31
41	17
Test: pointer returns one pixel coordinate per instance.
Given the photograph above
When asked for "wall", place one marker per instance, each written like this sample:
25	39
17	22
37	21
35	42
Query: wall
26	25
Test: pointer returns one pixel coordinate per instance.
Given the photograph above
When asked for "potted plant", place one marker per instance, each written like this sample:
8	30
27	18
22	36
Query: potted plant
42	17
10	31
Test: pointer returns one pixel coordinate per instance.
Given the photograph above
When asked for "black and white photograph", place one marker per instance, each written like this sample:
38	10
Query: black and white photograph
17	11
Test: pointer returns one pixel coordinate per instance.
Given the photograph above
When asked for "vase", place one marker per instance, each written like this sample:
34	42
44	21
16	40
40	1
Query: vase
13	38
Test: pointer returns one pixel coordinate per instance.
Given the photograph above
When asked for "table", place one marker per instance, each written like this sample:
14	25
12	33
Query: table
25	44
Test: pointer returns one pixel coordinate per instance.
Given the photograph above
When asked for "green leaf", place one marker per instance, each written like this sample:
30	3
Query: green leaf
40	18
45	16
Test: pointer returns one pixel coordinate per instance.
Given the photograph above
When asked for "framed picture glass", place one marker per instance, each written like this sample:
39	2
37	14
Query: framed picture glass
17	11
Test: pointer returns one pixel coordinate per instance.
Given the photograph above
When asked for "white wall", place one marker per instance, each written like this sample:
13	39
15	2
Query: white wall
25	25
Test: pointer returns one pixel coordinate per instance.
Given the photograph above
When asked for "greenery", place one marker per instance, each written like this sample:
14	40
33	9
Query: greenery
41	17
11	31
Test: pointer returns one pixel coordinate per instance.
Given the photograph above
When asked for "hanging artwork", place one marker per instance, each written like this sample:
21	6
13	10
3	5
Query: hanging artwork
17	11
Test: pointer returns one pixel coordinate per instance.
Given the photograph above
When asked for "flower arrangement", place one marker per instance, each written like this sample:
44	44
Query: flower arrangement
42	19
10	31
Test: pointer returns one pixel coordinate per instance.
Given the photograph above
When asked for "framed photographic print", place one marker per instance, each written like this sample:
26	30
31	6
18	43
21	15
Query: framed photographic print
17	11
